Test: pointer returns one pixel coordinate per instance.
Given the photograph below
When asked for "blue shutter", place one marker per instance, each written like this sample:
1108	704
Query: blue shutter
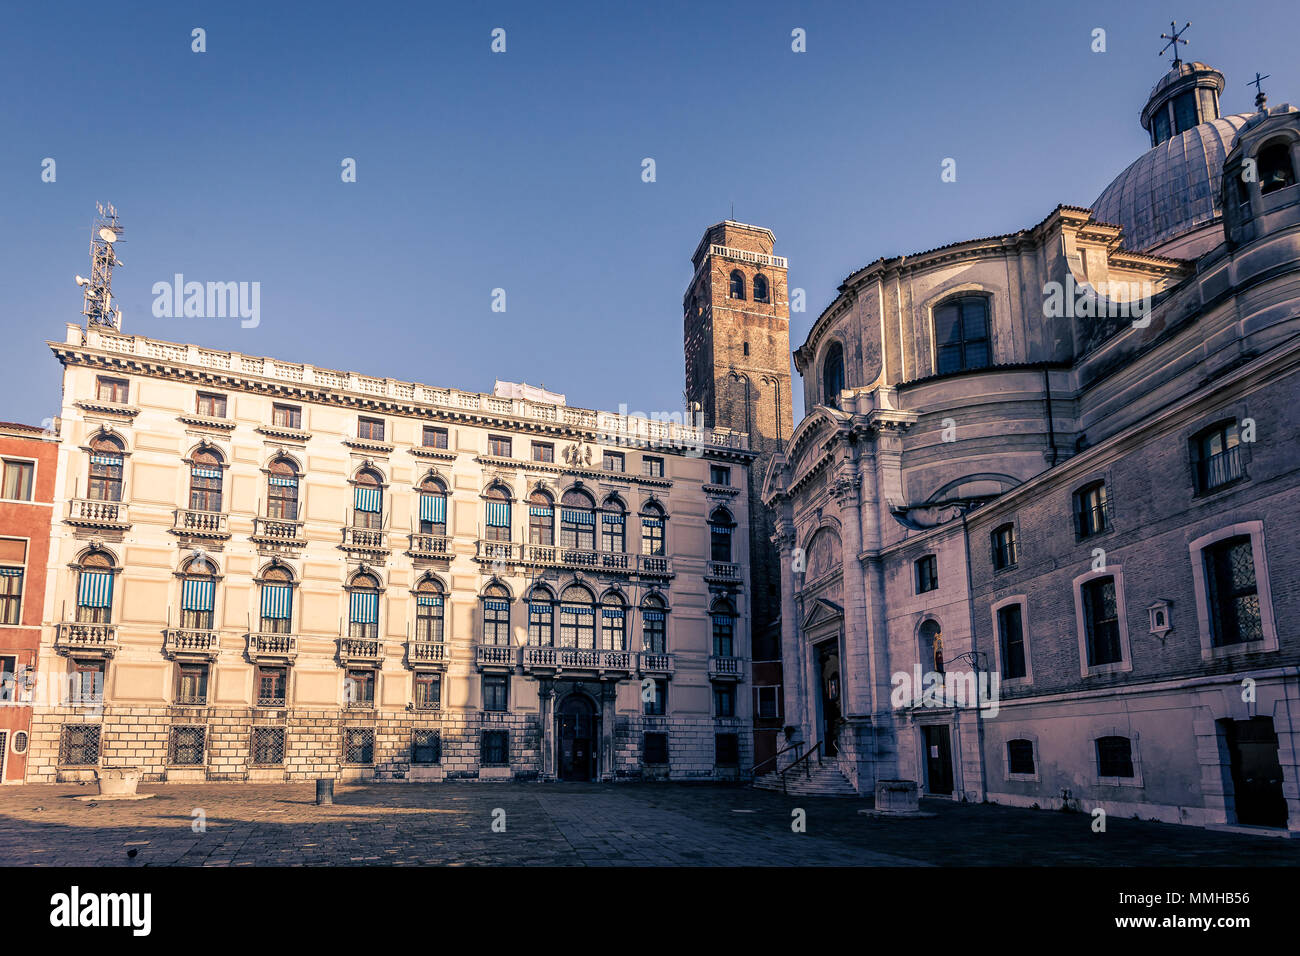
95	589
613	612
496	605
498	514
367	498
277	601
653	522
429	600
541	511
433	508
365	607
197	594
284	482
653	615
205	472
113	460
577	517
613	519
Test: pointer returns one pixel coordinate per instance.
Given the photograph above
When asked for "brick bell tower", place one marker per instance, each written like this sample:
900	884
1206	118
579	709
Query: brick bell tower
737	337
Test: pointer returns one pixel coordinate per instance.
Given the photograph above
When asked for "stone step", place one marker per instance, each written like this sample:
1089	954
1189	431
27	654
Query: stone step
825	780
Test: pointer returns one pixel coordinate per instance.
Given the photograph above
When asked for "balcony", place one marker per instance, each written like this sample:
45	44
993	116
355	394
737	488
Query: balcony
429	546
575	559
726	571
86	640
427	654
655	665
360	650
278	533
365	540
88	513
201	524
496	657
557	660
272	648
727	668
653	565
182	643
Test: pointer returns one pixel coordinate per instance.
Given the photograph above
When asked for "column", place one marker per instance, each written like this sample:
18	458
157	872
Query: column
546	696
856	674
793	689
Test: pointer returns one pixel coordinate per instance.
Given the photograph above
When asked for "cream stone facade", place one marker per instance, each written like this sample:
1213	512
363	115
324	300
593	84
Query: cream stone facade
262	570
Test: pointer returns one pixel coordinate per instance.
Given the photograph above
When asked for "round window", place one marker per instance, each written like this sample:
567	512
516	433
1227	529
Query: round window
20	742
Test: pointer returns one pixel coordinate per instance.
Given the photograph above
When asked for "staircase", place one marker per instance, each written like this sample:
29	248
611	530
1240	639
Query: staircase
826	781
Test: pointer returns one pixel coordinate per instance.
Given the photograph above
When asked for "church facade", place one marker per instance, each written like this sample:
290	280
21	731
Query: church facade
1037	527
263	570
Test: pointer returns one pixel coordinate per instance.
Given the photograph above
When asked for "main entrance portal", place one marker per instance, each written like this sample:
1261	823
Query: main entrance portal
576	726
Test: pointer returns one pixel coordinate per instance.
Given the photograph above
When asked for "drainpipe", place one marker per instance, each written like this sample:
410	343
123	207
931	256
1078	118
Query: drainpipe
1051	424
970	606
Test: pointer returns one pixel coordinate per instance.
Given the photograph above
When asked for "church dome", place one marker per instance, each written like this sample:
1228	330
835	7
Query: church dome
1172	189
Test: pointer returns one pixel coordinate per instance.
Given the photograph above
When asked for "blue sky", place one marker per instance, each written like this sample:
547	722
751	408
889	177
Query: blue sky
522	170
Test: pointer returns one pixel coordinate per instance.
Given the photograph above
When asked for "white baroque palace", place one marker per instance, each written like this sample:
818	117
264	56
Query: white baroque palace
262	570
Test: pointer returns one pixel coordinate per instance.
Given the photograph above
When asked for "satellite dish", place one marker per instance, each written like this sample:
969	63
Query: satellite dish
108	235
82	280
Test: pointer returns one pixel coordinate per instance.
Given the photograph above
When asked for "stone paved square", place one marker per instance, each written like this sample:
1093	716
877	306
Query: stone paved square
575	825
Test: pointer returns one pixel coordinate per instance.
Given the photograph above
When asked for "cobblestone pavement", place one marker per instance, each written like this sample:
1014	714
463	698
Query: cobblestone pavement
573	825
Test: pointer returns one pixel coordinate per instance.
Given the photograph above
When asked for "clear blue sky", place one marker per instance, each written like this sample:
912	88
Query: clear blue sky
523	170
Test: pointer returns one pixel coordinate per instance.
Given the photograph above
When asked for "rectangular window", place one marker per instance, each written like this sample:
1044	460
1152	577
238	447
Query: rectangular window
268	746
272	685
426	746
187	746
191	683
1020	757
498	446
286	416
1233	592
1012	640
1114	757
543	451
719	475
434	437
768	703
79	745
87	683
1217	455
211	405
654	748
652	467
8	679
961	332
496	692
724	700
358	745
11	595
111	390
370	429
927	574
18	476
1090	515
613	461
495	748
655	704
1004	547
359	687
1101	621
726	749
428	691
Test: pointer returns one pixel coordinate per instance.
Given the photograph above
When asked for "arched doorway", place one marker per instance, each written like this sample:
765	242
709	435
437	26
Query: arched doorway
577	732
828	671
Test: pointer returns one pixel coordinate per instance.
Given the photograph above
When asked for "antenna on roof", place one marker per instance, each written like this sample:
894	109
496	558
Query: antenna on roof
98	305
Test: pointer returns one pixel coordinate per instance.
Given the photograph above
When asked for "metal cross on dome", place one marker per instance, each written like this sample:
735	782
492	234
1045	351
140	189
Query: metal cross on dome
1260	97
1174	39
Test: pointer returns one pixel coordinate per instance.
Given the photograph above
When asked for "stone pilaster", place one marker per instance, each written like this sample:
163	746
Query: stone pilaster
793	688
546	698
608	693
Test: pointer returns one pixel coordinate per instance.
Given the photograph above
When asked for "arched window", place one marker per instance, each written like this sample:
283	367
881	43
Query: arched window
95	589
833	375
541	617
654	625
721	527
205	480
105	482
577	618
433	506
363	607
723	615
613	521
613	622
541	519
368	499
652	529
429	611
282	490
1275	169
496	615
932	646
277	600
760	288
496	503
198	594
737	288
577	520
961	333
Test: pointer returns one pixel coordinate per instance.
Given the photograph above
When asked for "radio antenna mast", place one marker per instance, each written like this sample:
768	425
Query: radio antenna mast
99	307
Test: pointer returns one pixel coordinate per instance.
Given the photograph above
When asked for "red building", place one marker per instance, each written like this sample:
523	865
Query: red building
28	461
